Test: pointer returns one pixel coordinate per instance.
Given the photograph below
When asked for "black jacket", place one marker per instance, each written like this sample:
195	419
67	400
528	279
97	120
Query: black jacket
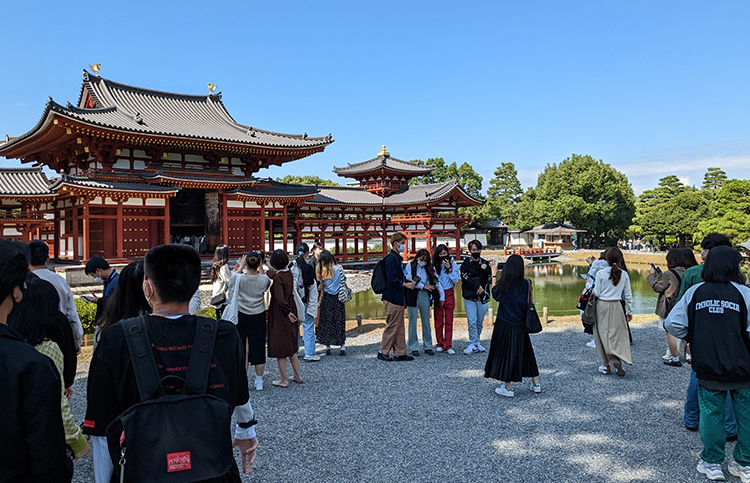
32	439
717	333
474	276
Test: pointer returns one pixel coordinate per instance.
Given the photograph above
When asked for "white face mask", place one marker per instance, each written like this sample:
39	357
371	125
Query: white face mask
98	279
421	263
148	296
400	248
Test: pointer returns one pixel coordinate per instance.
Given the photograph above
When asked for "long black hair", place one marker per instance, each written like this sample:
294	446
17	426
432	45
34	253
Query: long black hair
427	268
722	266
127	299
512	273
688	257
37	317
437	263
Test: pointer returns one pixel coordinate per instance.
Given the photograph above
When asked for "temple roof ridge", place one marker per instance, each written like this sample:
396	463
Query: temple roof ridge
384	159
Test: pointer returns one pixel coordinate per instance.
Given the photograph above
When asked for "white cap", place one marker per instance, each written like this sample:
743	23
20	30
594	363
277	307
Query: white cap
745	245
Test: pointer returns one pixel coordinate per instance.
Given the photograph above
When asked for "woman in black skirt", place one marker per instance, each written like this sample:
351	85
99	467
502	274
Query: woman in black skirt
511	356
332	318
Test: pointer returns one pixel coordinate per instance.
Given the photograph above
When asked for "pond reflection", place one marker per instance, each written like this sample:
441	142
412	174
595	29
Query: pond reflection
556	286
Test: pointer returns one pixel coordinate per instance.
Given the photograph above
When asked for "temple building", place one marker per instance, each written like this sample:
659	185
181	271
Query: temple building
140	167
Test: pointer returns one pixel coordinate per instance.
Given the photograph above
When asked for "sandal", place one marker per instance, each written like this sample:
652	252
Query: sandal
278	384
298	381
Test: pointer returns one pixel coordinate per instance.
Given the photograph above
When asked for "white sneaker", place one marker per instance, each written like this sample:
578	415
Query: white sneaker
312	358
450	351
438	349
711	470
591	344
743	472
505	392
472	349
259	384
536	388
605	369
480	348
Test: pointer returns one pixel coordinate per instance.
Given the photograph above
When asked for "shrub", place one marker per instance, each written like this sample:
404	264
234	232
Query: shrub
87	314
209	313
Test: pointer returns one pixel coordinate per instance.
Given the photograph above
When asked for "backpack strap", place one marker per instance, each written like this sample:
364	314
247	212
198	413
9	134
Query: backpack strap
199	363
674	272
141	356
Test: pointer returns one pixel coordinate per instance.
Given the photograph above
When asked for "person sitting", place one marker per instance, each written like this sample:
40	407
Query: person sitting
172	273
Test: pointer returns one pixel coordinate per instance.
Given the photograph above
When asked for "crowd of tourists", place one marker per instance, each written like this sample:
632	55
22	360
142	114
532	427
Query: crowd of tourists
156	361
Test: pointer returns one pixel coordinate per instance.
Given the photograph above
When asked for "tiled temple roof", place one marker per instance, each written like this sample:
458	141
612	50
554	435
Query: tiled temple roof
150	112
278	190
24	182
383	161
413	195
106	185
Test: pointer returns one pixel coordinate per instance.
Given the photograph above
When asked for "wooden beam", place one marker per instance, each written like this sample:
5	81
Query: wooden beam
119	235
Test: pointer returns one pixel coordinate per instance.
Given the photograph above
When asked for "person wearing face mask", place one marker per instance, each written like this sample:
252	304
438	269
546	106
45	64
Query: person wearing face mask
394	337
32	446
418	301
476	275
448	275
99	269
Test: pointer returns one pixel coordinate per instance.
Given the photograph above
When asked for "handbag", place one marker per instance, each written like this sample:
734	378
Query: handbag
219	299
345	293
589	313
533	324
230	311
585	298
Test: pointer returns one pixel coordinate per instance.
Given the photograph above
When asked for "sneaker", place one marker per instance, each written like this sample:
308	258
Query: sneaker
537	388
429	352
605	369
591	343
438	349
711	470
480	348
384	357
472	349
505	392
259	384
312	358
743	472
450	352
403	358
673	363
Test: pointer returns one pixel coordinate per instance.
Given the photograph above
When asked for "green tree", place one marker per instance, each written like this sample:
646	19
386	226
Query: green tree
713	180
670	210
588	193
503	194
440	171
307	179
730	211
467	178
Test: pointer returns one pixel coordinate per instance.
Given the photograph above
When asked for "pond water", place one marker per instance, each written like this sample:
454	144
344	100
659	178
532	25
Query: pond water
556	286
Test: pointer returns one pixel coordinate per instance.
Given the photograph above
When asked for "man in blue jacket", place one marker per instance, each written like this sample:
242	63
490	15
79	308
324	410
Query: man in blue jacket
394	335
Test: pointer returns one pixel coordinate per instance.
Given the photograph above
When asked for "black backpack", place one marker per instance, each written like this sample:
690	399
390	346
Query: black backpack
378	282
182	437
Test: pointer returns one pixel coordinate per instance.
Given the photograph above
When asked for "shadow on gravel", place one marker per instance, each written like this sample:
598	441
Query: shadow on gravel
438	419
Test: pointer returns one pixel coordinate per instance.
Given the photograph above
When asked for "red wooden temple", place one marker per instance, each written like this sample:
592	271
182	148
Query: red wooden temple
140	167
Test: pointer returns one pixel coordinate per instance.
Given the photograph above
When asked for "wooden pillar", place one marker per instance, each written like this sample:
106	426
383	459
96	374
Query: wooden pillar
270	228
386	248
56	232
225	219
343	242
285	232
458	241
167	221
85	226
119	232
263	227
75	229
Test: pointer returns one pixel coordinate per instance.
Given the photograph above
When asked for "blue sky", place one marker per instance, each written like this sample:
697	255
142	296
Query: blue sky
653	88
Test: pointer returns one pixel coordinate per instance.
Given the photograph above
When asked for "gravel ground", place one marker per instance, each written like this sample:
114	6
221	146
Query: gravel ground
438	419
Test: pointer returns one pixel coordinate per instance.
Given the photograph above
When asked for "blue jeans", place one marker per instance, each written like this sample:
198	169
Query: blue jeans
308	336
692	412
475	312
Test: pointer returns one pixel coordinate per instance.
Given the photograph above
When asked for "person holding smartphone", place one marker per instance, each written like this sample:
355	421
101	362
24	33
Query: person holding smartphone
476	275
448	275
668	287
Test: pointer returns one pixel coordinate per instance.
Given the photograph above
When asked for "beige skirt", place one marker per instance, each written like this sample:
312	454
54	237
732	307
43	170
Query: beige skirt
611	332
